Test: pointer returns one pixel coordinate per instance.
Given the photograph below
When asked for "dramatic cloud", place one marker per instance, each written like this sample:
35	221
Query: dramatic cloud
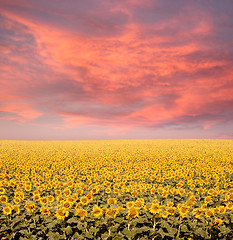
116	69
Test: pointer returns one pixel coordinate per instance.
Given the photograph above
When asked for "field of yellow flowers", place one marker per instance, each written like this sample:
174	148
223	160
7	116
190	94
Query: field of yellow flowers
116	189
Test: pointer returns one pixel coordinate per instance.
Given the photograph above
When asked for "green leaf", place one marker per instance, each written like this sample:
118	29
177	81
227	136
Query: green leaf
115	227
143	229
68	230
161	232
104	236
224	230
93	230
16	221
53	236
184	228
24	232
129	233
165	224
4	228
117	238
73	220
51	225
171	232
76	236
201	232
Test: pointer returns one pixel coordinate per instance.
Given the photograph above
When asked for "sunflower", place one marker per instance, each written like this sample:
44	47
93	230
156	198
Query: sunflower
155	208
112	201
58	192
60	198
198	212
78	205
134	193
84	200
94	190
119	209
183	210
61	213
217	222
139	204
181	191
2	190
50	199
130	204
81	213
204	206
112	212
90	196
17	200
16	208
207	199
165	214
45	211
222	209
143	189
231	196
170	204
193	199
209	213
164	194
153	191
75	197
215	194
171	210
108	190
97	212
3	199
7	210
201	191
36	197
28	187
116	191
30	207
229	206
67	192
67	205
132	213
189	203
80	192
43	200
215	210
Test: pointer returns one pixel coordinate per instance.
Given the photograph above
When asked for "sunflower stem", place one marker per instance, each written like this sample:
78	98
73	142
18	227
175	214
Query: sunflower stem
128	225
154	223
178	233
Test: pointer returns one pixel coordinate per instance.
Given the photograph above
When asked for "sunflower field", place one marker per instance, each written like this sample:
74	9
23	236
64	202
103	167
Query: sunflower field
116	189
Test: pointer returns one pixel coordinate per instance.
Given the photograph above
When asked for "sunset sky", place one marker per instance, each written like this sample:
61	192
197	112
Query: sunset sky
123	69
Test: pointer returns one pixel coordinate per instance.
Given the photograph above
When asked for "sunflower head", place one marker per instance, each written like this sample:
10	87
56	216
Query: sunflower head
7	210
130	204
112	201
84	200
16	208
155	208
45	211
81	213
132	213
61	213
97	212
3	199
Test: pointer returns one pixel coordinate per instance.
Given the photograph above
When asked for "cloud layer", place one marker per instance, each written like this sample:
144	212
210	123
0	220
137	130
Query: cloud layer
116	69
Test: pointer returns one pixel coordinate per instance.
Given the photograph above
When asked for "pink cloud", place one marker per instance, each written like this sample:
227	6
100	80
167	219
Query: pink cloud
122	65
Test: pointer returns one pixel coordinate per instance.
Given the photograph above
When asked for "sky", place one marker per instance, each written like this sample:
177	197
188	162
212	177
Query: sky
116	69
